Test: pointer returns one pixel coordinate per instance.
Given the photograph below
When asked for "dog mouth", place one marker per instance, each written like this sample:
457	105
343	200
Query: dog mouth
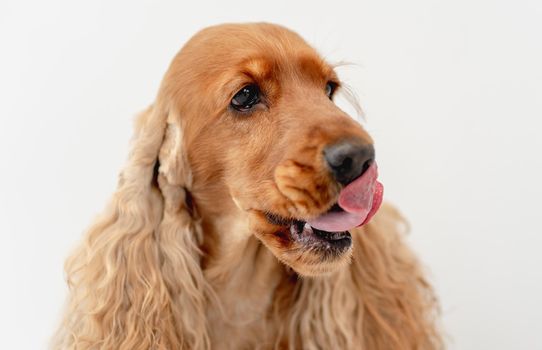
307	235
356	205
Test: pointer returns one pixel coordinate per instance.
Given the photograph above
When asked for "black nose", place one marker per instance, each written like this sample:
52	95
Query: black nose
348	160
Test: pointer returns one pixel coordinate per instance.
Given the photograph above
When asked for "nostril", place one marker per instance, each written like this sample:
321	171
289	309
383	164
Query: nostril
346	163
348	160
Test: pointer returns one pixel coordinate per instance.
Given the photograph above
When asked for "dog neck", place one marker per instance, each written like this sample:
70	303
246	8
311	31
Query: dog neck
244	276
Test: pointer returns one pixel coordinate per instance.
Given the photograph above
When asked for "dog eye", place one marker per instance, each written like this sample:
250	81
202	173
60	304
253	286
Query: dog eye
330	88
246	98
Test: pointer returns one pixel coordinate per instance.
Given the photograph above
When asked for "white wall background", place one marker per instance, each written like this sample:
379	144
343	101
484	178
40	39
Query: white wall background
453	94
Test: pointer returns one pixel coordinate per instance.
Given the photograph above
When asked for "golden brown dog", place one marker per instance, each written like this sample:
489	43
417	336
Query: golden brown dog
232	226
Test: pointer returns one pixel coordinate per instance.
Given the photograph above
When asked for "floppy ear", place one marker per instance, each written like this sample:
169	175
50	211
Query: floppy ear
135	282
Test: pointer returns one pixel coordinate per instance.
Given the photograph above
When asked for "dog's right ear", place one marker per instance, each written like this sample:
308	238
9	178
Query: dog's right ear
136	282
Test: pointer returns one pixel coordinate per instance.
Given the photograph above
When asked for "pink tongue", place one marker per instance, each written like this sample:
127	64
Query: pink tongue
360	200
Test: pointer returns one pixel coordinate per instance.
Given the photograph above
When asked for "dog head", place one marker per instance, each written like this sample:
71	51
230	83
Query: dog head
266	145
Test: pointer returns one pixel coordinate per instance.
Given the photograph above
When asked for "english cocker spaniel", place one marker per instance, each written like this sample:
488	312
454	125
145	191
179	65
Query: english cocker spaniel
244	217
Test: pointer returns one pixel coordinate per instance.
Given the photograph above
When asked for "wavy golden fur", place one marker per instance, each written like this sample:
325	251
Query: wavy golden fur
185	255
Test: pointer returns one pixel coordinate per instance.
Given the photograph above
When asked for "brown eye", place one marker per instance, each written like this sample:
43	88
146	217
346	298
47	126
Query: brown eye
330	88
246	98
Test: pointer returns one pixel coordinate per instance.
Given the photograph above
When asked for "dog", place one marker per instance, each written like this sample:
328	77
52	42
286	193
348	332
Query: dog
244	216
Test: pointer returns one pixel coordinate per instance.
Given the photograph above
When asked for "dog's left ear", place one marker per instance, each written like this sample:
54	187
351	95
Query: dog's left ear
136	281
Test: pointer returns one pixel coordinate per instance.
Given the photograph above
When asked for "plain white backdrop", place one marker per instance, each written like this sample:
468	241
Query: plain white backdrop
453	96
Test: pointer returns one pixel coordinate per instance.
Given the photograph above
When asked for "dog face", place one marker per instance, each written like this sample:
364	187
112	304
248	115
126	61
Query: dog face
265	141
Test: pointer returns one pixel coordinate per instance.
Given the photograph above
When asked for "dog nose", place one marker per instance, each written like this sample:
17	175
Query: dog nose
348	160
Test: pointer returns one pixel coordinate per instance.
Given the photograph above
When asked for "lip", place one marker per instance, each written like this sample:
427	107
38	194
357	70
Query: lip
313	238
309	235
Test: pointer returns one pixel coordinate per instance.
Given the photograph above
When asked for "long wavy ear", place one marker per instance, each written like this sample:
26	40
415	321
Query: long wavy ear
135	281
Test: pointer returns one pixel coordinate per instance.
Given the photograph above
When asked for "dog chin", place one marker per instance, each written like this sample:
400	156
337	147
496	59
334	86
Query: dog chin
321	268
